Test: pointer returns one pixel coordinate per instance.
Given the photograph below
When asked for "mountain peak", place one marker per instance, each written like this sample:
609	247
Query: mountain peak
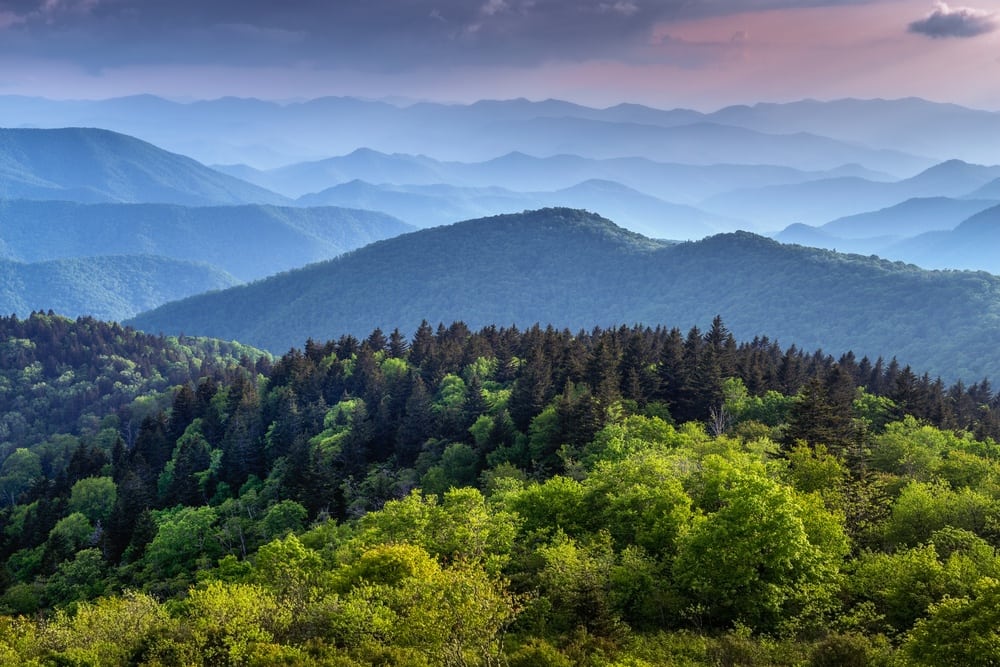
96	165
564	224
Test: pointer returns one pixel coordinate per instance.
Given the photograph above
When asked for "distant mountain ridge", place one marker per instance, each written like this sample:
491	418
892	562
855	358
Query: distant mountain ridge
269	134
248	241
523	172
108	288
971	245
93	165
574	269
816	202
431	205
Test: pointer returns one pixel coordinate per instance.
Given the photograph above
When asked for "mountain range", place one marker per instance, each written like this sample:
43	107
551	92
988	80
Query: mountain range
573	269
820	201
110	288
113	212
270	134
675	182
249	241
431	205
93	165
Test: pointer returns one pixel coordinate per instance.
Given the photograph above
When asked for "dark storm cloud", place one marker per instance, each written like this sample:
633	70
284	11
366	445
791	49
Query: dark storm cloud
947	21
372	34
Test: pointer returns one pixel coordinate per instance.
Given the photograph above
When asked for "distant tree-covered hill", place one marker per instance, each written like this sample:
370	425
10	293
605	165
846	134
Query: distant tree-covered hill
92	165
575	269
112	287
62	376
249	241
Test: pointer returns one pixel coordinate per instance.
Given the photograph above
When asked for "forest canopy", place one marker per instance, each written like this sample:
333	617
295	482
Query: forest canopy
623	496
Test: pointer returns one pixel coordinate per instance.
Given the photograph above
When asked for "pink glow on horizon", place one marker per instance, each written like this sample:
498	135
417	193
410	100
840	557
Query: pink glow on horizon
781	55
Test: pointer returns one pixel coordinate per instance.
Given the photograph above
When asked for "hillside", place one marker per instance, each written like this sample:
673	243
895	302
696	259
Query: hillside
109	288
92	165
232	238
502	496
75	377
577	270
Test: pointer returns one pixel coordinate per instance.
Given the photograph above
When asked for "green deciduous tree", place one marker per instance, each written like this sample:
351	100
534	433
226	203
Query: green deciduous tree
763	556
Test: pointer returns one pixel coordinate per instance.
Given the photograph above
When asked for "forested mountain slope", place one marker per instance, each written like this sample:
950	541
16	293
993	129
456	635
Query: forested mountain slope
575	269
112	287
93	165
248	241
620	496
65	376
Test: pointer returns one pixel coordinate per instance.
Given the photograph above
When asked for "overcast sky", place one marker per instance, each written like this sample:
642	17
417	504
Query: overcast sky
697	53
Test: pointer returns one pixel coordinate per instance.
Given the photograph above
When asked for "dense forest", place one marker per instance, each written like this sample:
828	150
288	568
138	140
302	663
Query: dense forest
622	496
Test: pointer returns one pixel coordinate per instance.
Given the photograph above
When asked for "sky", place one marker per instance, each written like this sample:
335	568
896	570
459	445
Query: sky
701	54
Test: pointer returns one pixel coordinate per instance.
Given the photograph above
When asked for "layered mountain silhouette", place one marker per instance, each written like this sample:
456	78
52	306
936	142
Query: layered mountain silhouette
909	218
519	171
574	269
249	242
92	165
270	134
971	245
816	202
431	205
109	288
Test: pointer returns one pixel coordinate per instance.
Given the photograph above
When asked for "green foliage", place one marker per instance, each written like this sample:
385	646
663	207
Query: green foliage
701	543
763	556
94	497
960	630
184	542
19	471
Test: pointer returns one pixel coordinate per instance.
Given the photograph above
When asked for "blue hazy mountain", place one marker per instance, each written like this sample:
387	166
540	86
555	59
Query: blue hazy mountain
912	125
818	237
109	288
249	241
816	202
91	165
431	205
682	183
971	245
908	218
268	134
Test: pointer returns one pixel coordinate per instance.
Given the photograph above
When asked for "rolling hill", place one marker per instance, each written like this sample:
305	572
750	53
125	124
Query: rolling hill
108	288
574	269
249	242
92	165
